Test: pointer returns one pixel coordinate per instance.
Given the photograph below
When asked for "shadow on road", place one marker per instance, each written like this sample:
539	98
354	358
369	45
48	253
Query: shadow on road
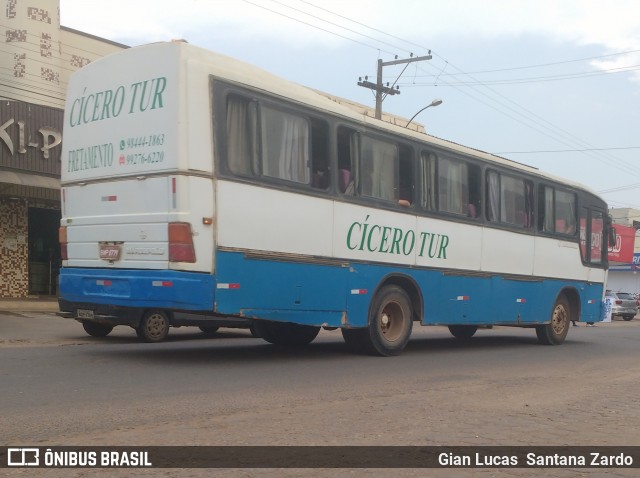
230	347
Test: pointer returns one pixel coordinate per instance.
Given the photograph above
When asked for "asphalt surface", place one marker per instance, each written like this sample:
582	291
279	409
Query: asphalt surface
62	387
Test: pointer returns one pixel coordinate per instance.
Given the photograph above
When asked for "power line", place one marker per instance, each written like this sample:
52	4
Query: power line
535	79
362	24
567	150
542	65
620	188
314	26
530	119
335	24
552	131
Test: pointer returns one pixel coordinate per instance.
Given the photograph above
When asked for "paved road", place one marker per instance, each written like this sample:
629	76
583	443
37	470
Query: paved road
60	387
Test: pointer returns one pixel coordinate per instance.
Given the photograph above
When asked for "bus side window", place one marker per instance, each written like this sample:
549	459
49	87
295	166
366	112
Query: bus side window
565	212
428	174
596	239
285	145
347	155
545	209
557	211
242	152
453	186
458	187
509	200
320	178
379	169
406	184
475	185
584	217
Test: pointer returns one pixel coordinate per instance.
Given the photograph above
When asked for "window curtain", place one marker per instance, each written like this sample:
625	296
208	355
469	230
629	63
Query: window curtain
528	205
453	186
493	186
549	225
428	177
379	170
597	225
285	143
513	201
241	136
565	212
354	151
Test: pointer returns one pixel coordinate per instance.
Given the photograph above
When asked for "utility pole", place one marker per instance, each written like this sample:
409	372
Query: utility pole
379	88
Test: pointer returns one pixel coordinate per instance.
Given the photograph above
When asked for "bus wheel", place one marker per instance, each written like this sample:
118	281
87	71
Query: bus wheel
555	332
463	331
153	327
209	329
284	333
97	330
390	323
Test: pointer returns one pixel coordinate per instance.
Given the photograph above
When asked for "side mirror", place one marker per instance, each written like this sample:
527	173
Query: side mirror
611	236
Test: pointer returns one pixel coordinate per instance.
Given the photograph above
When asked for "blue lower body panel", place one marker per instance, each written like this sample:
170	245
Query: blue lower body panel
327	292
340	294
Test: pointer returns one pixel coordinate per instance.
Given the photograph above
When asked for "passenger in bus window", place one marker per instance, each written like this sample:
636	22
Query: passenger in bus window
320	180
345	180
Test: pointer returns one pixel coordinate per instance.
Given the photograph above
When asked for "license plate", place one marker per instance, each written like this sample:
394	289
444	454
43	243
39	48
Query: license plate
110	252
84	314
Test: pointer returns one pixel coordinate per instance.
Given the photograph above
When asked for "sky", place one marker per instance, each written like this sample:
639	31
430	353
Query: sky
554	84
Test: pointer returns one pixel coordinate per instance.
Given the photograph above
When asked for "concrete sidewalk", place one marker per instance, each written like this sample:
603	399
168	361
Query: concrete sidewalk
31	304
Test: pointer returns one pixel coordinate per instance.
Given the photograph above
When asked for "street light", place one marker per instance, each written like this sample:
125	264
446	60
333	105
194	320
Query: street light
435	102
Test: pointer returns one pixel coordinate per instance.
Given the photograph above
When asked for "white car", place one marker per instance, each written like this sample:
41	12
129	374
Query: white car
625	305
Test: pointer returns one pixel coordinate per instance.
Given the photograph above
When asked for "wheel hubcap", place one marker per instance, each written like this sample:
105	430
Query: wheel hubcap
559	320
156	325
391	321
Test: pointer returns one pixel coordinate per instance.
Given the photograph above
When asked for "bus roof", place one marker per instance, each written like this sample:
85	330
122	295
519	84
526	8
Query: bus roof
237	71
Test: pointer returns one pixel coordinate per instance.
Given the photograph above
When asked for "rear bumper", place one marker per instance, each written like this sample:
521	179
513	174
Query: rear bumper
131	316
624	311
102	314
136	289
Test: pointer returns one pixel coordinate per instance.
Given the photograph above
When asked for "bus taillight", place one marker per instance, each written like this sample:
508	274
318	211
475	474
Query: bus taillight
181	242
62	239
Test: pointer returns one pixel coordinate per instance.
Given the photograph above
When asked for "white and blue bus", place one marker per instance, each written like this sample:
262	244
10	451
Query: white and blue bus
198	190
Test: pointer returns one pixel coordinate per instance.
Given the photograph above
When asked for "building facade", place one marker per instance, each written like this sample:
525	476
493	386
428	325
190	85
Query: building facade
37	57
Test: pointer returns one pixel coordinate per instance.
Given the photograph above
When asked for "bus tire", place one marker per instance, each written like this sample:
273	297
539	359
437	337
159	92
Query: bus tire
209	329
463	331
97	330
556	330
390	324
285	333
154	326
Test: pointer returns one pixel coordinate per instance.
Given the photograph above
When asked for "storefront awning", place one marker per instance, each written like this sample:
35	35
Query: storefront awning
25	179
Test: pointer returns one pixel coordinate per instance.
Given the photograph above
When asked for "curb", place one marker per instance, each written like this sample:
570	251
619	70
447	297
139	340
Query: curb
24	305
